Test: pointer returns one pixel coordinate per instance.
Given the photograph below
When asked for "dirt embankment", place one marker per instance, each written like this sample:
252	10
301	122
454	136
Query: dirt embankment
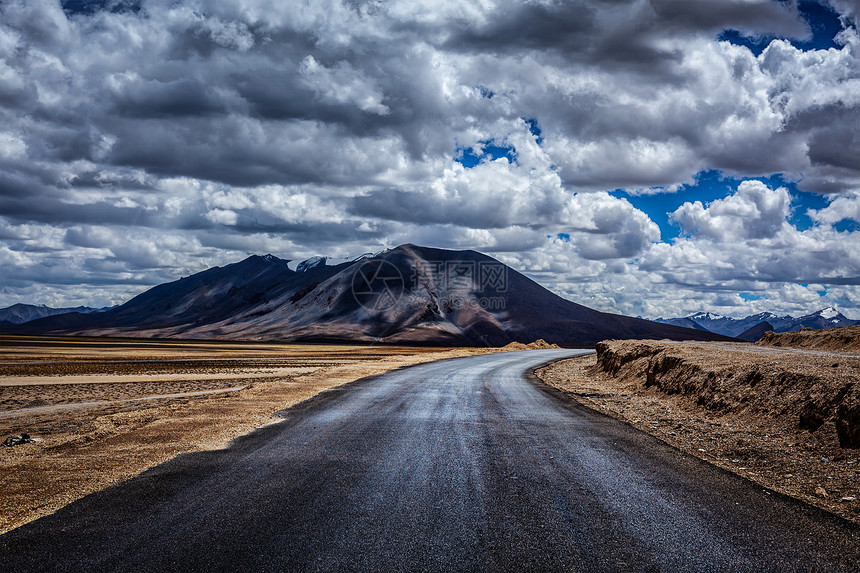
539	344
845	339
788	419
804	389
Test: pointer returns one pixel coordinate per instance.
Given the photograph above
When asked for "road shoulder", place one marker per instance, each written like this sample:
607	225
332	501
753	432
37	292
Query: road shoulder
776	455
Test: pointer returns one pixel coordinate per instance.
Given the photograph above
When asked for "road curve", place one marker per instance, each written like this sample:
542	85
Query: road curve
461	464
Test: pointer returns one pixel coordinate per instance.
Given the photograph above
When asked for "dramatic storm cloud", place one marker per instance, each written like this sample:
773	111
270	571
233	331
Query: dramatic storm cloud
651	157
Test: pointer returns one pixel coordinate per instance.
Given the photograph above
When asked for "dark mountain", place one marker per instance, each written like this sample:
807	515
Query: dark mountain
179	307
824	318
21	313
753	333
408	295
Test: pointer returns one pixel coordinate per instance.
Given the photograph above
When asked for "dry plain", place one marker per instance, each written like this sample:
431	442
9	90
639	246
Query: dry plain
107	409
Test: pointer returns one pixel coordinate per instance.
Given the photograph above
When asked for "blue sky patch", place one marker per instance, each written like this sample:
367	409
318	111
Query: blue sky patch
535	129
823	22
849	225
489	150
93	6
486	92
710	186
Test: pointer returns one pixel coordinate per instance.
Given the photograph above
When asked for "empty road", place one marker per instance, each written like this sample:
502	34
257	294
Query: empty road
462	464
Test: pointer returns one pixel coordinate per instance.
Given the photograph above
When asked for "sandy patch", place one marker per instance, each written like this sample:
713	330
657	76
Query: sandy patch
249	374
43	409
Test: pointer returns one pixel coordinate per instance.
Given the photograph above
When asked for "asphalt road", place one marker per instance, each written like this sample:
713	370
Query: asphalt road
456	465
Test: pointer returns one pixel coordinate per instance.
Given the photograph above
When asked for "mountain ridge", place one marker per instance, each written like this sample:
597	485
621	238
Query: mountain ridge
828	317
20	313
406	295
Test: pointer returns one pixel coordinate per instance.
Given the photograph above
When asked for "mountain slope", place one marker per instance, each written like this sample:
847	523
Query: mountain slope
408	295
753	333
181	306
21	313
685	322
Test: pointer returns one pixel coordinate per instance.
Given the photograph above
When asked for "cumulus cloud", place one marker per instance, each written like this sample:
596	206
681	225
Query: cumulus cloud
754	212
210	130
840	208
343	85
848	9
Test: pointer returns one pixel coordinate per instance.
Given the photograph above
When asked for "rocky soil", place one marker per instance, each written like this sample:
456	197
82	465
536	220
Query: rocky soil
785	418
845	339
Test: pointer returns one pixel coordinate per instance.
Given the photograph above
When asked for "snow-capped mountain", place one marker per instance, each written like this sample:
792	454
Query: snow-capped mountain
311	263
828	313
825	318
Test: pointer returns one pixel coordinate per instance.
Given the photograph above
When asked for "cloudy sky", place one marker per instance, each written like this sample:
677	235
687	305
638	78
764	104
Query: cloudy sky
649	157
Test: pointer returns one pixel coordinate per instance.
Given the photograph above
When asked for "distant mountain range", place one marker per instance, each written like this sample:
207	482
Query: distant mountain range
407	295
752	327
21	313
